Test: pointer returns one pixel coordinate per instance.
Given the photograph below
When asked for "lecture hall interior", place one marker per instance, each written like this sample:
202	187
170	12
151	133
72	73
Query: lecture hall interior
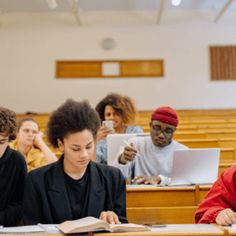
158	52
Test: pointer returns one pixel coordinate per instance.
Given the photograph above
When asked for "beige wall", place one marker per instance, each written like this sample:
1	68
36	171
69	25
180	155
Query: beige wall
31	43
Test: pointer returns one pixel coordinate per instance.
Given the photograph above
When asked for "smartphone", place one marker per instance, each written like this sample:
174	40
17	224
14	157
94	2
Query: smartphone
108	124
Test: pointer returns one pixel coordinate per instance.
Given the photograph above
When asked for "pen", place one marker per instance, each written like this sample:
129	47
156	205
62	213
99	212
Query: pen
128	144
125	142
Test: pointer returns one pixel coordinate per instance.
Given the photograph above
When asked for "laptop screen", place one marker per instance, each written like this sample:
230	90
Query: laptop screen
116	141
195	166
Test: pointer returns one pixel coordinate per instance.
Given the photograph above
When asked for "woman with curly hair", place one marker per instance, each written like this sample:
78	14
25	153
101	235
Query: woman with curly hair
12	172
121	111
74	186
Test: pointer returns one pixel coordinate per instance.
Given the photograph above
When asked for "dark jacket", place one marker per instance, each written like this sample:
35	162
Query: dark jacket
46	199
12	179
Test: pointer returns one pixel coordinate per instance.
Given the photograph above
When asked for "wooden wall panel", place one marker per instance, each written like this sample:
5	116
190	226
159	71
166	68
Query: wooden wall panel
142	68
94	69
223	62
77	69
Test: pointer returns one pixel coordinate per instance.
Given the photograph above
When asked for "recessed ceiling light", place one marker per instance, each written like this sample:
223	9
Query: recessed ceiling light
52	4
175	2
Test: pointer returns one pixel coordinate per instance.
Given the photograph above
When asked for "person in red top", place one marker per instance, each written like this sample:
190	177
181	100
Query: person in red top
219	205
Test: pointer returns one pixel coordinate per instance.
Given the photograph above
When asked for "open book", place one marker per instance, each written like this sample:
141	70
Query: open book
92	224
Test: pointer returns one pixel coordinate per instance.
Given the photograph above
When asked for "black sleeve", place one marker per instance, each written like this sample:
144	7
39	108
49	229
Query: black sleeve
32	213
11	215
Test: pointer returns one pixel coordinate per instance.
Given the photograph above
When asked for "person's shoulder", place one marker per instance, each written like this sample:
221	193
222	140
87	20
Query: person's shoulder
101	142
35	151
134	129
178	145
230	173
43	170
13	144
16	156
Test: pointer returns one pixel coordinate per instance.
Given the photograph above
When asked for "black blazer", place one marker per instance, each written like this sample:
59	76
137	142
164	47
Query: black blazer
46	199
12	174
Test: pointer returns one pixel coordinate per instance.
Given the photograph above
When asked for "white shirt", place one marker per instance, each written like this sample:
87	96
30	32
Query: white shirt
150	159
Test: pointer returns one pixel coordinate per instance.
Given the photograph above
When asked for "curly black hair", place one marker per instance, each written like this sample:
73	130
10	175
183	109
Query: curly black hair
71	117
8	123
123	105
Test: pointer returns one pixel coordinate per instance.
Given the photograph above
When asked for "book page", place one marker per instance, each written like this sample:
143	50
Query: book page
92	224
50	228
129	227
22	229
86	224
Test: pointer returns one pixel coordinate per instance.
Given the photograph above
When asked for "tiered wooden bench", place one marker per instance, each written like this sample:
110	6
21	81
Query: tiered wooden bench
197	129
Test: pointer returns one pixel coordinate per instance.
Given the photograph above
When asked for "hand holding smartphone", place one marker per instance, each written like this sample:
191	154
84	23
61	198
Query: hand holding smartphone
108	124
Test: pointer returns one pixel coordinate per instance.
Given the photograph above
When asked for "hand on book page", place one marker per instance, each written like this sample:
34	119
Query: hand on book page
89	224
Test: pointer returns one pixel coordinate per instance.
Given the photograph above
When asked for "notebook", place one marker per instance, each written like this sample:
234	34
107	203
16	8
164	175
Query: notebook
116	141
195	166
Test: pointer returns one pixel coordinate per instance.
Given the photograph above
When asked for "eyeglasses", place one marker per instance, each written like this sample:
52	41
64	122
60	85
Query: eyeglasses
4	140
167	131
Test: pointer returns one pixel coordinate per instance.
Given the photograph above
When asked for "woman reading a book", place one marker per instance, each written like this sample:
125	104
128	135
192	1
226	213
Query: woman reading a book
75	186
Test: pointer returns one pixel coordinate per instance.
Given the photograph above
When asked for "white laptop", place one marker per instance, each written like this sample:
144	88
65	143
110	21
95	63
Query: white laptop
195	166
116	141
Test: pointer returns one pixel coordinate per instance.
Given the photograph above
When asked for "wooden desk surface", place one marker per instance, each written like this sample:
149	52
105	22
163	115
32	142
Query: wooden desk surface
175	230
231	230
169	229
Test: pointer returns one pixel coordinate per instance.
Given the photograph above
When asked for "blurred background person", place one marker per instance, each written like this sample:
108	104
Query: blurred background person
121	111
30	143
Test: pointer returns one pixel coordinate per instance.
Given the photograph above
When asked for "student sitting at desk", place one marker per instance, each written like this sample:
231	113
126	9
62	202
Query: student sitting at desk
148	160
121	111
74	186
29	142
219	205
12	172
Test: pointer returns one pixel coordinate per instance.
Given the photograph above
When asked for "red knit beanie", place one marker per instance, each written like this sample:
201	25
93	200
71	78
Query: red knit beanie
166	115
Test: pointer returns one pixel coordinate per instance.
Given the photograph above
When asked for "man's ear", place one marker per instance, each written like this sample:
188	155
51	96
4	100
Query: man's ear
150	124
60	145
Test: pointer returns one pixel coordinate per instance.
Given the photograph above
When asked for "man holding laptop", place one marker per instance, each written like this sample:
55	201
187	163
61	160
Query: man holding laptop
148	159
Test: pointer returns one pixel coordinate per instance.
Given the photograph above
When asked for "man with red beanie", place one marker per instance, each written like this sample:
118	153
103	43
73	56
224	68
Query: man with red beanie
148	159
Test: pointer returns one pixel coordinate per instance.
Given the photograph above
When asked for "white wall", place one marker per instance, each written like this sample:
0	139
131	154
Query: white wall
31	43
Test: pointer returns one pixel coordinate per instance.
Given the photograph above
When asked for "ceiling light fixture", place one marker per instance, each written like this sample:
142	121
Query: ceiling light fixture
175	2
52	4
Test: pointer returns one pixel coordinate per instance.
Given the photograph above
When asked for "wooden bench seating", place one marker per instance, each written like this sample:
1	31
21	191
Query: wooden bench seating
205	134
209	142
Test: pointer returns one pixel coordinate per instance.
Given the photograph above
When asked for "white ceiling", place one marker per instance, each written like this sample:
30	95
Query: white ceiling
124	5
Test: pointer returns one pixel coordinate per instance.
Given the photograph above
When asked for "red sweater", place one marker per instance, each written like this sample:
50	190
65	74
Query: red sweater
222	195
